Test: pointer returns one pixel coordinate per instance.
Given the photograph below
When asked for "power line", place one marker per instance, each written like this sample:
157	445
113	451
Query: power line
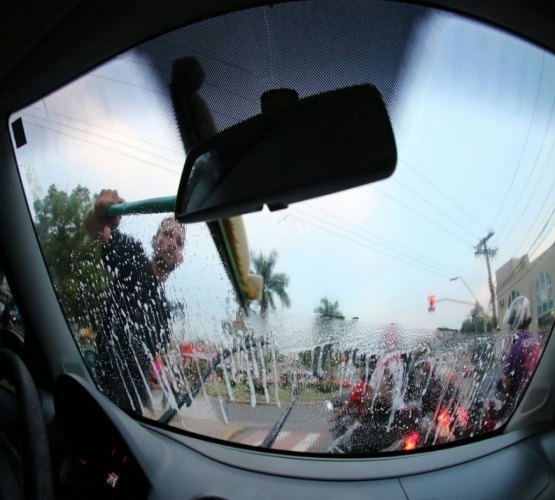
428	202
431	271
446	196
517	166
130	84
412	210
535	164
108	129
416	259
537	218
100	136
393	246
161	167
164	94
543	229
206	81
165	44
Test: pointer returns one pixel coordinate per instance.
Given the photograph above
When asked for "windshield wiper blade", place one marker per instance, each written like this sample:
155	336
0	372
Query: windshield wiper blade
276	429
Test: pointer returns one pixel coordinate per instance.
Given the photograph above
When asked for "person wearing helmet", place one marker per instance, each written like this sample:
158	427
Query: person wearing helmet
524	353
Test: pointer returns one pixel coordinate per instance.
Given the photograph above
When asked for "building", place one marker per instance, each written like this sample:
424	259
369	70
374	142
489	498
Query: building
534	279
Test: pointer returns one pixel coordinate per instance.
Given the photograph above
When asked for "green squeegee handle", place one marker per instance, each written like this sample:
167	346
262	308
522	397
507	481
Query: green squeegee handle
149	206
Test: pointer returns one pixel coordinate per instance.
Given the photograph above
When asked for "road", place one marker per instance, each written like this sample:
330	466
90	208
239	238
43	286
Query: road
306	428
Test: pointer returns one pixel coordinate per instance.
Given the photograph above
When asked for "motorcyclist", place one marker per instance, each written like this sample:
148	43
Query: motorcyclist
379	402
523	355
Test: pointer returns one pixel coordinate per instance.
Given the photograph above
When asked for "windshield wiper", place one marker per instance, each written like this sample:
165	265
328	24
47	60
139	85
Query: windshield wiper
276	429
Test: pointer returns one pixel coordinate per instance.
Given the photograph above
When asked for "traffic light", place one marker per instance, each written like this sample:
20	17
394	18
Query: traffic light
431	303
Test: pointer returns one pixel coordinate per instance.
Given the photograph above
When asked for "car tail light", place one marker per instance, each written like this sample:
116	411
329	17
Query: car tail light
411	441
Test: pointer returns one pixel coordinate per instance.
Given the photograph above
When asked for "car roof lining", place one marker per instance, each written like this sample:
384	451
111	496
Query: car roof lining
65	41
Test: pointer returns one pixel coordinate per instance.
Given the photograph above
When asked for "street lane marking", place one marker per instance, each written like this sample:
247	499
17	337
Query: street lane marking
307	442
255	439
288	441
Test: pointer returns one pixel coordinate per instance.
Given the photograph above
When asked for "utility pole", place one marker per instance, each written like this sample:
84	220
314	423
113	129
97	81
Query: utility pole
482	249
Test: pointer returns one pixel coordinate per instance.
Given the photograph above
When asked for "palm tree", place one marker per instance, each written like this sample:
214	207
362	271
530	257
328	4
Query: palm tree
328	309
274	283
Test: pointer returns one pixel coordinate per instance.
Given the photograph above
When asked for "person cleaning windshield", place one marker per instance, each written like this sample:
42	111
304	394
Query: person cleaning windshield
134	327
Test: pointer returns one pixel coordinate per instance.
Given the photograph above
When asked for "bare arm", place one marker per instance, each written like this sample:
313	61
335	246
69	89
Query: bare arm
97	224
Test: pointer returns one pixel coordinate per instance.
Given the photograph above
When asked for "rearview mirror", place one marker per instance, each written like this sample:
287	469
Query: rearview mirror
295	150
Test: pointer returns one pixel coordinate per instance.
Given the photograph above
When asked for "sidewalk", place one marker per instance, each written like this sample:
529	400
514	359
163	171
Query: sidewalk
204	417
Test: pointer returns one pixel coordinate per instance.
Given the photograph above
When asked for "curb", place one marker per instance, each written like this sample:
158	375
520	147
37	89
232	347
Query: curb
211	428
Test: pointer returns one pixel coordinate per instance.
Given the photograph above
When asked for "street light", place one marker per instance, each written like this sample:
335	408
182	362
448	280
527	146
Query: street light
466	285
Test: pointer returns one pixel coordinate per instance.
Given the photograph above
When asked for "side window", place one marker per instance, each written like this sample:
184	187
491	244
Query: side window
544	294
12	334
9	313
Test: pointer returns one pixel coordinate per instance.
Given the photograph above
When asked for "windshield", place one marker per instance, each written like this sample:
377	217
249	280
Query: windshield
407	313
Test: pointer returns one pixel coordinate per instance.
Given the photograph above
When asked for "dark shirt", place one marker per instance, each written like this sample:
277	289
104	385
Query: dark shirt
134	326
139	300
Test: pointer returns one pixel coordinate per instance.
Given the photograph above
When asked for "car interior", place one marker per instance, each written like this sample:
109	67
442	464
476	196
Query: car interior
277	250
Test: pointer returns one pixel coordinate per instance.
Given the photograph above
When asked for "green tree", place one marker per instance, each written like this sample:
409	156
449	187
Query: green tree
328	309
479	321
275	284
73	260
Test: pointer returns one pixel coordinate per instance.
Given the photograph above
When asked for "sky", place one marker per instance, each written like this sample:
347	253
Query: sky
475	143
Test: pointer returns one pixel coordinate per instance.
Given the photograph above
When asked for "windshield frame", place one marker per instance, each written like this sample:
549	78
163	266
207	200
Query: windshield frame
228	270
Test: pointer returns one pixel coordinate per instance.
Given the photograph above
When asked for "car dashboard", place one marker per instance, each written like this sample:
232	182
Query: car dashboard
111	455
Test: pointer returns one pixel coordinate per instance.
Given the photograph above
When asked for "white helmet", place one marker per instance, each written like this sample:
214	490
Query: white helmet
519	315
